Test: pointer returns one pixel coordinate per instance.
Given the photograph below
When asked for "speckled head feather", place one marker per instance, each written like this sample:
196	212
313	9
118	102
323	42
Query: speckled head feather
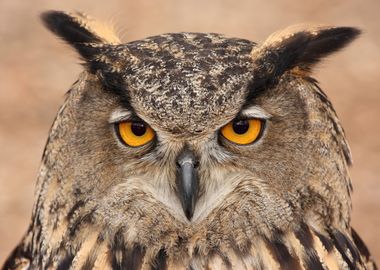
191	198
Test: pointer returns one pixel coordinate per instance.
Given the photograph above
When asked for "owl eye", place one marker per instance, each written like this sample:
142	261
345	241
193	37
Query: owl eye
242	131
135	133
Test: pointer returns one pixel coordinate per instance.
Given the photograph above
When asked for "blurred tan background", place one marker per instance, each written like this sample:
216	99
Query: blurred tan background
36	69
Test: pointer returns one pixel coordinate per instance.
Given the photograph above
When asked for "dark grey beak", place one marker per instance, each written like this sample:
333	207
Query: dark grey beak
187	181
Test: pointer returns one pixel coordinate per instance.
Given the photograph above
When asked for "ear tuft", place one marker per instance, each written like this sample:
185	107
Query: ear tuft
79	28
68	28
326	41
300	47
80	31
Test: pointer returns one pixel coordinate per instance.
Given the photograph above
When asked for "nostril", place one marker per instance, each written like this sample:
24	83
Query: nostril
186	160
178	165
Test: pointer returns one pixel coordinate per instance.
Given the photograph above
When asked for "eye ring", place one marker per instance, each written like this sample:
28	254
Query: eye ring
243	131
134	133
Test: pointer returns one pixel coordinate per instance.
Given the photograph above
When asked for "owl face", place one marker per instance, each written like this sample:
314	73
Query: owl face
190	131
184	91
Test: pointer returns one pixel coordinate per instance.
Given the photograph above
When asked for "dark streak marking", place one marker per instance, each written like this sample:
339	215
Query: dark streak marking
360	244
17	254
66	262
76	206
86	218
133	258
326	242
341	245
159	263
354	252
311	258
283	256
117	250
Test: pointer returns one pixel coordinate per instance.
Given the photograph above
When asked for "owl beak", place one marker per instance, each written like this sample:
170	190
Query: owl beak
187	181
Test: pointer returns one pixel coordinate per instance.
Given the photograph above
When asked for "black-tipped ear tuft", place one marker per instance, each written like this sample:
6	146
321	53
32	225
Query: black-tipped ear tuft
325	42
68	27
299	48
85	34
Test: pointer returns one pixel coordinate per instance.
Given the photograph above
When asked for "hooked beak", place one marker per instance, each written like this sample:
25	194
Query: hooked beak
187	181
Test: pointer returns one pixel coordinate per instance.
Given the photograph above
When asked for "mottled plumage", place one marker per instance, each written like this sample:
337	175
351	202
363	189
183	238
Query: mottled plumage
281	202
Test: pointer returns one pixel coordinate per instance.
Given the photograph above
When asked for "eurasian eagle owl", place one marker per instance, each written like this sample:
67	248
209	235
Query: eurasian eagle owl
194	151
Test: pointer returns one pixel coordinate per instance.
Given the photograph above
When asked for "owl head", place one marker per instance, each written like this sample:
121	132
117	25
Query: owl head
193	136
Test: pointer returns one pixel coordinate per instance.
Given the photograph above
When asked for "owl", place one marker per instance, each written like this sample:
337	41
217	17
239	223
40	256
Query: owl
194	151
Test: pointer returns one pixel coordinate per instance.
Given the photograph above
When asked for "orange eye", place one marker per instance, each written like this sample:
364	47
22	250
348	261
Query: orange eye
135	133
242	131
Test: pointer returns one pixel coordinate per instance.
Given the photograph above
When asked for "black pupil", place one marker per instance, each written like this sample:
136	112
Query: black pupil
240	126
138	128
